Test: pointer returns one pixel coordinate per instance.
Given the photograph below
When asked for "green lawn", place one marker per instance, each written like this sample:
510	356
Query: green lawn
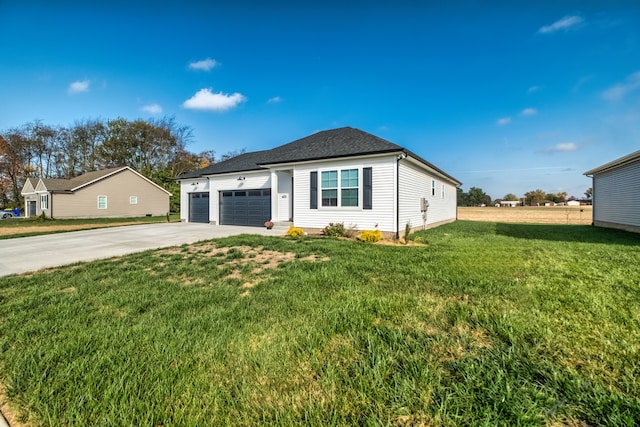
487	324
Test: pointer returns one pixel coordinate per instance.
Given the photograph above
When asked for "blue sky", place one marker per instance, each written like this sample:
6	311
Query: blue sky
506	96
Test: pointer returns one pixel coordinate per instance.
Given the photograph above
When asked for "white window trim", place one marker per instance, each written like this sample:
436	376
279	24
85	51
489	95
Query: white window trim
433	188
44	206
105	202
442	190
133	200
339	188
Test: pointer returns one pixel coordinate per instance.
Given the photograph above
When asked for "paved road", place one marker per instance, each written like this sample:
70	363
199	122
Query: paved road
26	254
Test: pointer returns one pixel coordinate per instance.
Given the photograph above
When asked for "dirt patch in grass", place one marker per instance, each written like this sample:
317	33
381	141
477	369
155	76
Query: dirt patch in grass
5	410
242	263
529	214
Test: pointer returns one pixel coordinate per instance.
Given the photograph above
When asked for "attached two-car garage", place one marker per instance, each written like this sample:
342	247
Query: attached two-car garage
237	207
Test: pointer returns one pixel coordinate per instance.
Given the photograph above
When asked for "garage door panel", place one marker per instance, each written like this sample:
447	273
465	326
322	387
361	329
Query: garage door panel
199	207
245	207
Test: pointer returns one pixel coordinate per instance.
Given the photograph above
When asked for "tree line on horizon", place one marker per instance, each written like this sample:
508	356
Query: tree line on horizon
477	197
155	148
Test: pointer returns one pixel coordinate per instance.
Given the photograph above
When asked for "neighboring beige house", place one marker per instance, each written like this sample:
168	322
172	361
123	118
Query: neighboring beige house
109	193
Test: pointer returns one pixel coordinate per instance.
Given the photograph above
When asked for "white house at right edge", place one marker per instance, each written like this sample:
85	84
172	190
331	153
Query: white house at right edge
341	175
616	193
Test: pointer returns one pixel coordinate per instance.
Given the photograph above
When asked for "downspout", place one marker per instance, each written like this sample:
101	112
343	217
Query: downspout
401	156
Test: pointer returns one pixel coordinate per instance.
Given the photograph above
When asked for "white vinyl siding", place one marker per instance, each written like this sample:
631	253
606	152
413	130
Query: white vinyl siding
417	183
616	196
383	195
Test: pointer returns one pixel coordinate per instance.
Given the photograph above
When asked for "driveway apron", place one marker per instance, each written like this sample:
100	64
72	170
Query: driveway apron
27	254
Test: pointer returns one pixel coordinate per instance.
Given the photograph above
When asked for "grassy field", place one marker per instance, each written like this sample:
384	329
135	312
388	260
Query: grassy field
529	214
486	324
22	227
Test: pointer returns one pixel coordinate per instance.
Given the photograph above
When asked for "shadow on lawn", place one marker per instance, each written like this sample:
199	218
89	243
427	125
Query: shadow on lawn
568	233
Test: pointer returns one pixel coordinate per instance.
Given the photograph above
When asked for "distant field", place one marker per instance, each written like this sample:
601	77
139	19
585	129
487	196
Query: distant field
538	215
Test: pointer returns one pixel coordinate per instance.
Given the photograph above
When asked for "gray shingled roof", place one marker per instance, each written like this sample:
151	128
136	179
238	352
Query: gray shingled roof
342	142
242	163
328	144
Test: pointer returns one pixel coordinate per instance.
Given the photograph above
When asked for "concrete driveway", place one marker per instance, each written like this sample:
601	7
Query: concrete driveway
26	254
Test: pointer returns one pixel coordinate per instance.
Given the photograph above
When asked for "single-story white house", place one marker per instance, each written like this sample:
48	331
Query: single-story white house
341	175
510	203
108	193
616	193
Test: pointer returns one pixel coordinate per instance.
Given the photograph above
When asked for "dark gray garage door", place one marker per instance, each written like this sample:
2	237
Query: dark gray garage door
245	207
199	207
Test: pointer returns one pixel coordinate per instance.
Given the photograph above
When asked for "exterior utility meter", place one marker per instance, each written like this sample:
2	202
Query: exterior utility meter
424	204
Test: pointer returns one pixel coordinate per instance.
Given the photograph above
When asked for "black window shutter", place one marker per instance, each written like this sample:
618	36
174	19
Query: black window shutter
367	193
314	190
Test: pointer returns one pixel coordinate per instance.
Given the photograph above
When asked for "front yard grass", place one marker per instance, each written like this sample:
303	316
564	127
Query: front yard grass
487	324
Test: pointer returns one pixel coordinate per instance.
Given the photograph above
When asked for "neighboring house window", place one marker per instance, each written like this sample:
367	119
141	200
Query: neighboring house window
102	202
133	200
442	191
44	201
433	187
347	187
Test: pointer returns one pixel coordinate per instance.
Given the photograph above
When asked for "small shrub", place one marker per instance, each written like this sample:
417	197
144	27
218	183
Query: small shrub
334	230
295	232
407	232
419	240
351	232
370	236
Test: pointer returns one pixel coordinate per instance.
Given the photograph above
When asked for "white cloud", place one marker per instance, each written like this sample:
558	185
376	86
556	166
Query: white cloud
152	109
617	92
274	100
503	121
533	89
562	147
529	112
204	99
79	86
565	24
203	65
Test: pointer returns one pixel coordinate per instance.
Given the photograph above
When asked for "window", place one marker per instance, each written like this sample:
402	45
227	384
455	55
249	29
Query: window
102	202
133	200
349	187
442	191
44	201
433	187
330	188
